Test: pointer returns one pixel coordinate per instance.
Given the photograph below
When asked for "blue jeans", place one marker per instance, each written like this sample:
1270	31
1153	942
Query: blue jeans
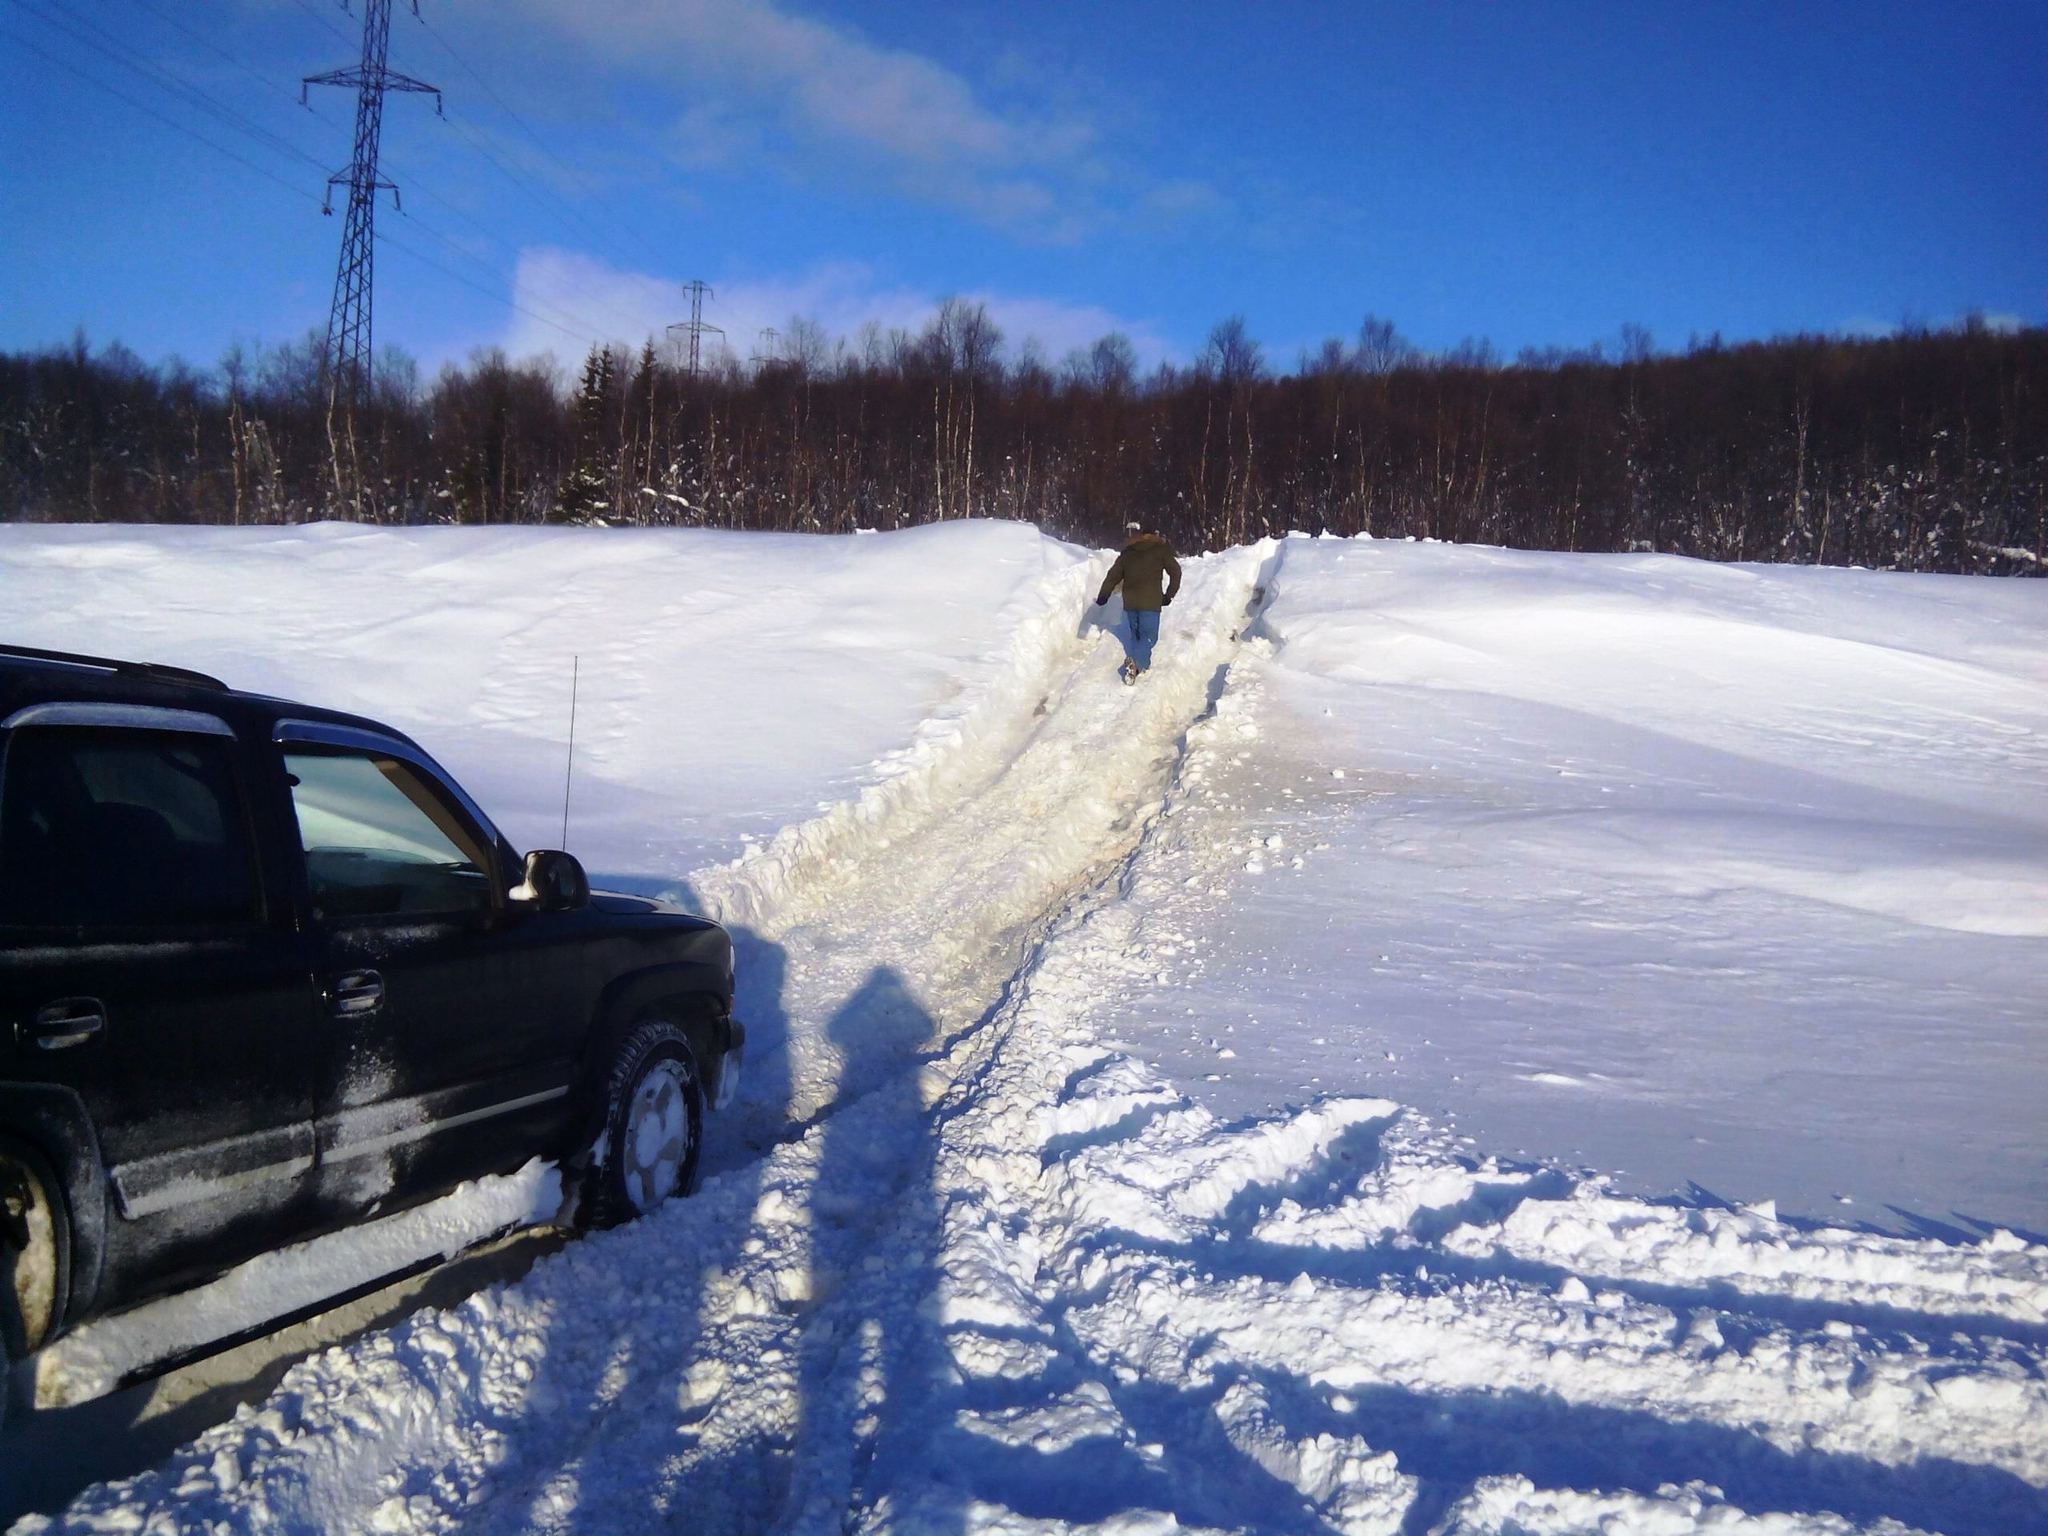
1141	633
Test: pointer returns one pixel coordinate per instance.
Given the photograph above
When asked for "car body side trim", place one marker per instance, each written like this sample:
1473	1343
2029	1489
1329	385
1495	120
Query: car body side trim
379	1127
150	1185
129	717
205	1172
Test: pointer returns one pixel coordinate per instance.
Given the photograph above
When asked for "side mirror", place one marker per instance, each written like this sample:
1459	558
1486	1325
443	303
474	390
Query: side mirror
554	882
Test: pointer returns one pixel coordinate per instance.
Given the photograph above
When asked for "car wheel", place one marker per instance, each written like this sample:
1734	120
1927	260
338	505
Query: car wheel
34	1252
653	1126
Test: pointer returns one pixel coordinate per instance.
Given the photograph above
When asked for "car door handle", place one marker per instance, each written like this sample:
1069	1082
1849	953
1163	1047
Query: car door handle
67	1022
355	993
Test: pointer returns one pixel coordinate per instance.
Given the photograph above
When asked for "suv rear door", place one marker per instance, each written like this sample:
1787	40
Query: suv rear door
144	969
452	1033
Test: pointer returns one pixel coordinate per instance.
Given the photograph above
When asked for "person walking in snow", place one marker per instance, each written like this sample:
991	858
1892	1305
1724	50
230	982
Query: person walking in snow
1149	577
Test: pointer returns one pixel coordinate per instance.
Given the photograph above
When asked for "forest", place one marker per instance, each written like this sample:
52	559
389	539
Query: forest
1925	449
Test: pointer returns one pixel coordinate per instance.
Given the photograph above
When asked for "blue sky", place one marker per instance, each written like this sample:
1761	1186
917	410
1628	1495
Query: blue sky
1537	174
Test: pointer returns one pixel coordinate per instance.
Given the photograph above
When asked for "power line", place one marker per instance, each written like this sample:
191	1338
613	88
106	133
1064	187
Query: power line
476	139
421	186
110	47
192	96
525	185
350	334
168	122
577	327
538	192
586	335
384	238
267	81
483	147
528	129
559	319
562	312
325	21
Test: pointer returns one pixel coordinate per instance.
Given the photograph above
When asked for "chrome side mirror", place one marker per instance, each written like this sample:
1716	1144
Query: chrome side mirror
554	882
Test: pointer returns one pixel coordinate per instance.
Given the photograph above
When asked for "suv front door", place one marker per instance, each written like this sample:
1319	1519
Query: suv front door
143	970
450	1056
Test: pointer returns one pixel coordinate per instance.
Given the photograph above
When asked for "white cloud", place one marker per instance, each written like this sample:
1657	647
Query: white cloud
599	301
1059	327
756	83
1995	320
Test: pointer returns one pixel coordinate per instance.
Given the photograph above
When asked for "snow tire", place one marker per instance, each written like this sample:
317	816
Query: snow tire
653	1127
35	1253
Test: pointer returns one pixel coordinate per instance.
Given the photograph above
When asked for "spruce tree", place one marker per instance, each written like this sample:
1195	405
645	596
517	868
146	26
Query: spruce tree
586	493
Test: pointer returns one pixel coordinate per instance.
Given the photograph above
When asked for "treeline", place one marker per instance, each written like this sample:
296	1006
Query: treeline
1924	450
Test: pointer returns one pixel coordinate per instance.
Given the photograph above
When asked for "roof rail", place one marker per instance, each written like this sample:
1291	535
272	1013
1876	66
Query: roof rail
154	671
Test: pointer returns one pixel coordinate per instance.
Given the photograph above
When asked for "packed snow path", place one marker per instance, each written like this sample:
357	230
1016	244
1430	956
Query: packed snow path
968	1268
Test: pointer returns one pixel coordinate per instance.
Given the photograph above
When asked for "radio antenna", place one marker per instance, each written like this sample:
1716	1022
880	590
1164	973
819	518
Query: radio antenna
569	768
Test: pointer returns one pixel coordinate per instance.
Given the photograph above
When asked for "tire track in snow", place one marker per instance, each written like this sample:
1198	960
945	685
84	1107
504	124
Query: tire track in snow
944	872
721	1358
922	931
1335	1309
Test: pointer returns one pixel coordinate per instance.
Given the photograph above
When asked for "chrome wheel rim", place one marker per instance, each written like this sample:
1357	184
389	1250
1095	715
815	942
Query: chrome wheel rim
657	1136
35	1268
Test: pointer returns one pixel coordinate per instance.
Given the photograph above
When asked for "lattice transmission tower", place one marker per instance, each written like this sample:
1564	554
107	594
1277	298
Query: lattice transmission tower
694	327
348	322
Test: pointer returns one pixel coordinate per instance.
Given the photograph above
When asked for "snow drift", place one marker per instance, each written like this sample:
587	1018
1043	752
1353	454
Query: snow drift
1112	1161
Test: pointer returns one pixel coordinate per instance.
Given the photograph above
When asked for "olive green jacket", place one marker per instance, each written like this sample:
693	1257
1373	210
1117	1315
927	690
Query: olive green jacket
1146	561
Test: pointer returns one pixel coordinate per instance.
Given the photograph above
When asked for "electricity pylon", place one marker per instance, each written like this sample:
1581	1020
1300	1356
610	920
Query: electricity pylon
348	322
694	327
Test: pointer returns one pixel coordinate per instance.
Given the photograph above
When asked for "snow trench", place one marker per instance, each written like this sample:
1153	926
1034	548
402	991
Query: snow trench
977	1268
924	776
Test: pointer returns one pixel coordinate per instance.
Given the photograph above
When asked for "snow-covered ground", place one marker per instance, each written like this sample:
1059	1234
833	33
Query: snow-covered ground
1691	873
1171	1104
725	685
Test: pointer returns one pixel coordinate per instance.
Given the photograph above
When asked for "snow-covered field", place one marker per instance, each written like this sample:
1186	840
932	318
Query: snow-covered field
1338	1085
1692	873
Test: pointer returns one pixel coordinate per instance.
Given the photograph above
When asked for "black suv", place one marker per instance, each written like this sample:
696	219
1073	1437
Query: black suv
265	969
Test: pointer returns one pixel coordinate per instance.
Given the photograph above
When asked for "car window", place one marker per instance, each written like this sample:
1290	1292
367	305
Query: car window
122	829
381	842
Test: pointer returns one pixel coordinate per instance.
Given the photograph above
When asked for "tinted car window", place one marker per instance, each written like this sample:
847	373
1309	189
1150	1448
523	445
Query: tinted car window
122	829
381	842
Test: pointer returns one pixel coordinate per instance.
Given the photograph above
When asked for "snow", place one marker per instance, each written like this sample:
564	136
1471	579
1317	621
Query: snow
1719	876
92	1360
1351	1081
726	684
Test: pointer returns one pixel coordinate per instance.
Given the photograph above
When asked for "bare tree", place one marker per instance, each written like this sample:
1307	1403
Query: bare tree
1327	361
1112	368
1381	348
1230	355
806	347
1920	451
